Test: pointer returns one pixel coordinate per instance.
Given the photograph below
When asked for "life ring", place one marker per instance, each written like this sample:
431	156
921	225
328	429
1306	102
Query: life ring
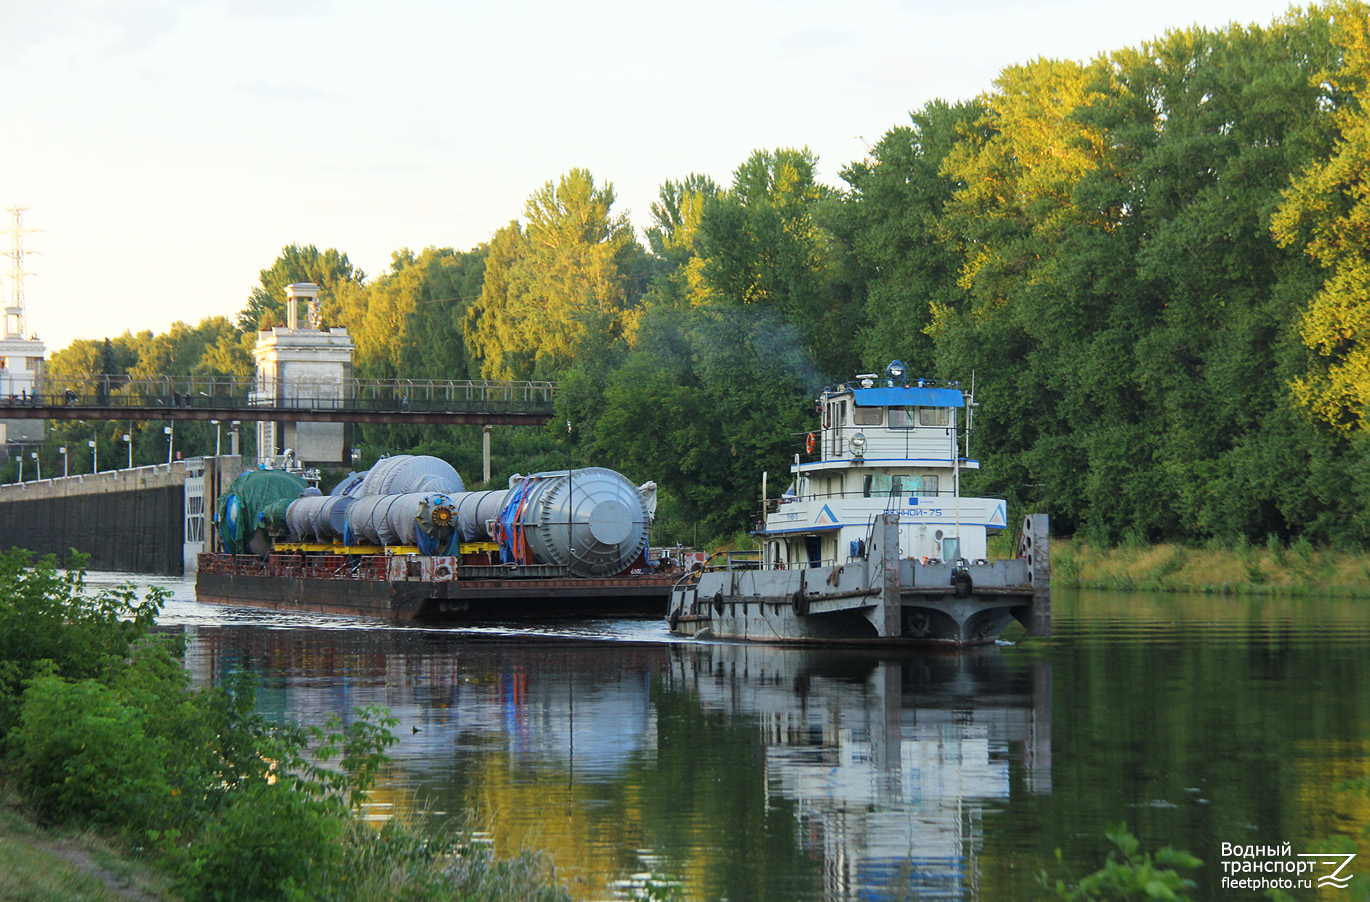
810	443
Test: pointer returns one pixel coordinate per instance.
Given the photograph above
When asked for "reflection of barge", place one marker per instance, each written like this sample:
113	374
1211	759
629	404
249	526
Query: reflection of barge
404	541
873	541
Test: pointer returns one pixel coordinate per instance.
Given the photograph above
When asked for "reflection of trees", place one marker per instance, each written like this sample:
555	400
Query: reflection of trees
746	772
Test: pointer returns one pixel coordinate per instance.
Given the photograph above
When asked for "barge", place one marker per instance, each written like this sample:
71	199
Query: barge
404	541
873	542
405	586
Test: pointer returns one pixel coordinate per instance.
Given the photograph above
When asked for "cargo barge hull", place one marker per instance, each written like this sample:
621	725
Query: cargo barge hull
424	588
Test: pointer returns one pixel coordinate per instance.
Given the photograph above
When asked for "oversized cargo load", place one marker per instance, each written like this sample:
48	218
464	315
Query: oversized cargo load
423	519
319	519
475	510
239	509
591	521
409	473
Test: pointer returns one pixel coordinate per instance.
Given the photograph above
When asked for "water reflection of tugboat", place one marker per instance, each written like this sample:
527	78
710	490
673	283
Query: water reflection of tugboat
873	541
890	763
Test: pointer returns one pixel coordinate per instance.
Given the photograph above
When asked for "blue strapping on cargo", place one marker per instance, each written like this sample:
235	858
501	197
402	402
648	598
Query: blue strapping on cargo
908	397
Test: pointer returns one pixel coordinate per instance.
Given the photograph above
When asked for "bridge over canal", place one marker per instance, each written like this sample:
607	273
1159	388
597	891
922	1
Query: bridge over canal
412	401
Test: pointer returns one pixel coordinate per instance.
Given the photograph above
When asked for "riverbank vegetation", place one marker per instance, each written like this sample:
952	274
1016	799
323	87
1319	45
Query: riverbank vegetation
101	731
1218	567
1150	265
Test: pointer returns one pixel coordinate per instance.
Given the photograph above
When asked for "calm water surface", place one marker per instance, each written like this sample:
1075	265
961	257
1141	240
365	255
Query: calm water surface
753	773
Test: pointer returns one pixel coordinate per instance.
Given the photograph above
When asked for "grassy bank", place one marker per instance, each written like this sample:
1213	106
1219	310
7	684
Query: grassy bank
1270	569
39	865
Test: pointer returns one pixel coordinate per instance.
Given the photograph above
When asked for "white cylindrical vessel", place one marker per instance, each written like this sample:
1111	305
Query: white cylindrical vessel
591	521
407	473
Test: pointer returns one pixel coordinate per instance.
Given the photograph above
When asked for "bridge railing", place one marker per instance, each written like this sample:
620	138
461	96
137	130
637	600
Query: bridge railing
229	392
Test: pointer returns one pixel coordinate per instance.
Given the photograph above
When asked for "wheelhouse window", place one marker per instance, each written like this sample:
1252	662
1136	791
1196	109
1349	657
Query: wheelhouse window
883	485
921	485
934	416
868	416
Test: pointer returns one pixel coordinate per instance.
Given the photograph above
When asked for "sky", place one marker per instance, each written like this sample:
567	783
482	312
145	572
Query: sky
166	150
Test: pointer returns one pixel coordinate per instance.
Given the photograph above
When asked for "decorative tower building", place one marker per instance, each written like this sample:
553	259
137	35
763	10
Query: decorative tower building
303	367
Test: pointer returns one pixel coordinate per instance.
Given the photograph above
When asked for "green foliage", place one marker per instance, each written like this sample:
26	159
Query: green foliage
408	322
704	403
270	842
761	244
1130	875
329	269
1326	212
889	227
86	755
555	284
51	625
398	862
107	733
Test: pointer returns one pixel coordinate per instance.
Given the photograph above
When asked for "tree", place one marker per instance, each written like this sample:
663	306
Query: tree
707	400
329	269
407	322
760	244
553	283
888	224
1327	212
673	239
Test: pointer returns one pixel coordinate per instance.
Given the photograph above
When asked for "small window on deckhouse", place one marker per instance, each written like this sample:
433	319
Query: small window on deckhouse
883	485
934	416
869	416
922	485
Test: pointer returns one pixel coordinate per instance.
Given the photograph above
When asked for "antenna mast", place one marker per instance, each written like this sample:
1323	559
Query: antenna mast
15	327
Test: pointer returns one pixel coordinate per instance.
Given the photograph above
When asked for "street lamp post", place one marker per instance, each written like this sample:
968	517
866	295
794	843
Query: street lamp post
63	451
128	440
218	434
170	441
37	463
94	456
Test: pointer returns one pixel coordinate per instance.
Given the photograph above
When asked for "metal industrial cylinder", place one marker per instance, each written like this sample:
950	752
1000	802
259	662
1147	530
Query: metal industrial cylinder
475	510
591	521
408	473
319	518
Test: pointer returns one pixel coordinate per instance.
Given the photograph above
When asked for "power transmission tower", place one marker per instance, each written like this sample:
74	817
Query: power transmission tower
15	326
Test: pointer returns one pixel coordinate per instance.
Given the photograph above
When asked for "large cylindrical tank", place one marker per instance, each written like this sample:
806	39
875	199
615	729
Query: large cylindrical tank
407	474
591	521
273	518
319	518
425	519
474	510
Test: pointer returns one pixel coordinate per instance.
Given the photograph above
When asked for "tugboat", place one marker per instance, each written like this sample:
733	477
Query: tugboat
872	542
